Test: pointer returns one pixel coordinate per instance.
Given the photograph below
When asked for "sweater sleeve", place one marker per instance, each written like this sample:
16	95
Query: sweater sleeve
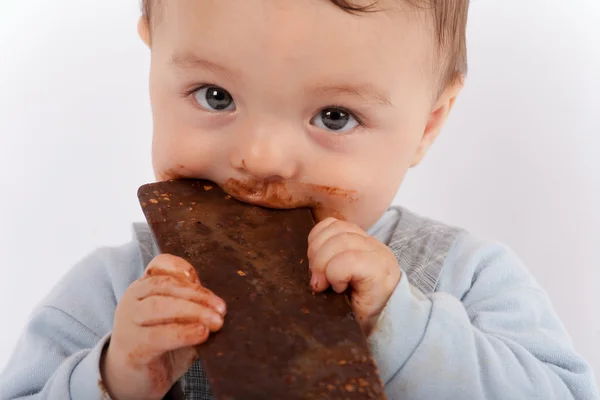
58	354
488	332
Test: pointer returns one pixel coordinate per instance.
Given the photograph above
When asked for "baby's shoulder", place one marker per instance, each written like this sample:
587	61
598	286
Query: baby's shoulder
91	290
421	245
439	257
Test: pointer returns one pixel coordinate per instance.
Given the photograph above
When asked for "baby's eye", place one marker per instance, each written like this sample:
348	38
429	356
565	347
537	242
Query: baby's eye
214	98
335	119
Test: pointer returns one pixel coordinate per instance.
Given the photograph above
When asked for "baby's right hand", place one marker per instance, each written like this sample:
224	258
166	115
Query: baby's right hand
159	320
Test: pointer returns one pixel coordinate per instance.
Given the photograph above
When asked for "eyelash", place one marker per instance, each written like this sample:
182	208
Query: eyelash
355	114
188	94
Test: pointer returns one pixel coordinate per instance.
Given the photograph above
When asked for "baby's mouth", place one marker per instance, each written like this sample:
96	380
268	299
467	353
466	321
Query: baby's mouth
284	194
276	194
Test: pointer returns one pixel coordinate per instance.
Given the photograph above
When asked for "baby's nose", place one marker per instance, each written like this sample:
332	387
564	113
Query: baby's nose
267	155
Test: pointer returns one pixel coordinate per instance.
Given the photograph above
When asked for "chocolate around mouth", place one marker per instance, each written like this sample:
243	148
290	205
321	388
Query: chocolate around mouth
281	194
267	194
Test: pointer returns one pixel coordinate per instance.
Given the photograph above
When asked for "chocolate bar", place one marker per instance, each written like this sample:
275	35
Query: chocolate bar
279	340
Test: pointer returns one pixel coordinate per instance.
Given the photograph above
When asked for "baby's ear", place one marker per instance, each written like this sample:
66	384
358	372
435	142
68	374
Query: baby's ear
437	119
144	30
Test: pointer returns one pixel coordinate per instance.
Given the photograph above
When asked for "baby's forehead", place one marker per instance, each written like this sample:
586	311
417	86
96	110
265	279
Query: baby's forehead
302	52
300	31
156	9
444	21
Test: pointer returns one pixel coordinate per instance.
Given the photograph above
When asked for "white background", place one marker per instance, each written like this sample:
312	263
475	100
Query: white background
519	160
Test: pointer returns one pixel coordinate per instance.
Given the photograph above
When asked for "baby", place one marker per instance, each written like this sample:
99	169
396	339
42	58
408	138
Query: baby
288	103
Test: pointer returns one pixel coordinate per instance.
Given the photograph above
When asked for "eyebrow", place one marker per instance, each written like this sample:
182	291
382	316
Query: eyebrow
191	61
368	92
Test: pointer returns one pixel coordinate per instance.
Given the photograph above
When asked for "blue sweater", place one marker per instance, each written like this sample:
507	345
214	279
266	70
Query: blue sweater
467	321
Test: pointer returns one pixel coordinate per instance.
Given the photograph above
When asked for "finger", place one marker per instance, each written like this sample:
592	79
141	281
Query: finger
156	340
175	287
164	310
332	229
342	242
320	227
177	267
367	272
176	336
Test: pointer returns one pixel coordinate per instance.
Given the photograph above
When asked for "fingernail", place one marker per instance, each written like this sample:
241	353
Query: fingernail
340	288
216	319
220	307
314	282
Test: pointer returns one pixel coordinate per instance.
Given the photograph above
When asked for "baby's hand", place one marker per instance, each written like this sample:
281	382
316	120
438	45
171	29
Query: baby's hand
160	319
342	254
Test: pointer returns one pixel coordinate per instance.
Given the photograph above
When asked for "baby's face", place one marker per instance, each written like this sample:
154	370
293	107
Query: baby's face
292	103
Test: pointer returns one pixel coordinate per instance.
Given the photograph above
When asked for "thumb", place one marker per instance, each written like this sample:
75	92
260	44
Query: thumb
183	360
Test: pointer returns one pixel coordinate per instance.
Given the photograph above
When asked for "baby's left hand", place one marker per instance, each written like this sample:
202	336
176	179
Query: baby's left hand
342	254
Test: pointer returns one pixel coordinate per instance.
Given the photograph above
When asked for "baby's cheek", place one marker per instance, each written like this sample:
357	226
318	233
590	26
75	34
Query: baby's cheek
371	207
164	159
183	159
178	171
